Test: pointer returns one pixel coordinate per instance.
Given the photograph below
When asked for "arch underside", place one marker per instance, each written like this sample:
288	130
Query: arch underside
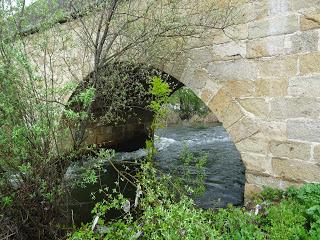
121	117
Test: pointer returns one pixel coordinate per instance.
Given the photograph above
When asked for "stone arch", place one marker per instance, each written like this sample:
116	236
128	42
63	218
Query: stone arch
219	99
131	129
259	76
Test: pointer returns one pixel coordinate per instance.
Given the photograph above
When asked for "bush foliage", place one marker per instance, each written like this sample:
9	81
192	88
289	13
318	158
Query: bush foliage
189	103
163	214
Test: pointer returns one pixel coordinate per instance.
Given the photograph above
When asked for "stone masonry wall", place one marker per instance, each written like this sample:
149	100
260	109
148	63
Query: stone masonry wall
262	80
261	77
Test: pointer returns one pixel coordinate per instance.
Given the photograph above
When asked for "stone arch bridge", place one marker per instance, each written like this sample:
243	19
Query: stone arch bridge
261	77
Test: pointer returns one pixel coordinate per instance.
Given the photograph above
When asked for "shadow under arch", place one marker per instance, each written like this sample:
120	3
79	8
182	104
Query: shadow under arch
121	118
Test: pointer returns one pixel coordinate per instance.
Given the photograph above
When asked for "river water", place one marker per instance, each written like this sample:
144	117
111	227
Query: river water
224	171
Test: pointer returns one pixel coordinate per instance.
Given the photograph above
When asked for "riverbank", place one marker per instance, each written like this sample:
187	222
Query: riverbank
174	118
275	214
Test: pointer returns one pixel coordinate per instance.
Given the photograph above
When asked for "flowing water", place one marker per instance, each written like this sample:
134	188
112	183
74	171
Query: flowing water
224	171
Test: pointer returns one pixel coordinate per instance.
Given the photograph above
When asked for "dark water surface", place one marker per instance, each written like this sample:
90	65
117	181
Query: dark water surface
224	171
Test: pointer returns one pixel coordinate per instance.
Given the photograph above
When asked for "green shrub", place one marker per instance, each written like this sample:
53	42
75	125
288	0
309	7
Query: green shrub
286	221
31	170
161	215
309	197
189	103
236	223
271	194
